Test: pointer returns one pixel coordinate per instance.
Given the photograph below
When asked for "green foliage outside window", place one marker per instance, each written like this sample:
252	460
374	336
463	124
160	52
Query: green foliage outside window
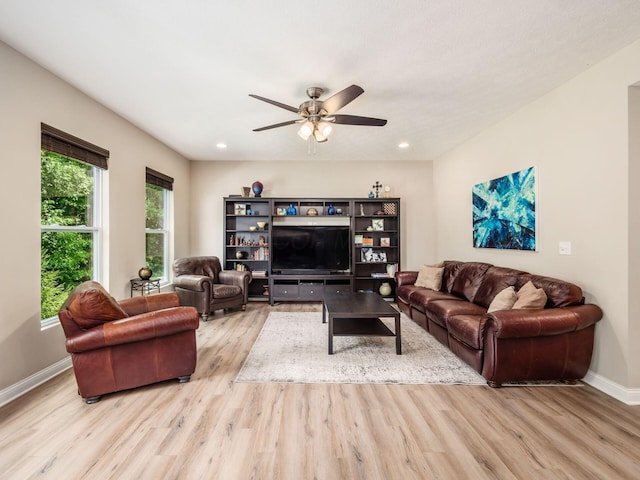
67	188
155	220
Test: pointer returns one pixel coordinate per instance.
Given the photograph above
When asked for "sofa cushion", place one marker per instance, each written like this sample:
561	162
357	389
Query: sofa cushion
430	277
559	293
421	296
530	297
468	329
90	305
468	279
451	268
503	300
495	280
439	311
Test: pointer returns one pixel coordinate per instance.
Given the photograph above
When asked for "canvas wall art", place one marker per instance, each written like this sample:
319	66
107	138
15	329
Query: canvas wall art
504	212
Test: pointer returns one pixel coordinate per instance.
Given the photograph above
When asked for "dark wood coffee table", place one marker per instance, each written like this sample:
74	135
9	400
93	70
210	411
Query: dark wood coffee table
358	314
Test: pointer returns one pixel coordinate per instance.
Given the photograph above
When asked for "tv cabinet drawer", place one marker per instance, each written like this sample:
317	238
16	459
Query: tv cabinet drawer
311	291
286	291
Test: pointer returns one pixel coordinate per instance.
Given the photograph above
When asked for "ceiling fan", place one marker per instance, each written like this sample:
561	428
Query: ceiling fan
319	115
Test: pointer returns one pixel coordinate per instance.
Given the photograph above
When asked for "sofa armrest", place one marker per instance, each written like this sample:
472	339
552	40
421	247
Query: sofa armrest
160	323
197	283
234	277
149	303
406	278
545	322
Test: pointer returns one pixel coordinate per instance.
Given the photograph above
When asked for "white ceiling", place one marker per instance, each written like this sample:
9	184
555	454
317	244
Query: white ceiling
440	71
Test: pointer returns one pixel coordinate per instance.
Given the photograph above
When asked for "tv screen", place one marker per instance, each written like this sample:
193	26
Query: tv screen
319	249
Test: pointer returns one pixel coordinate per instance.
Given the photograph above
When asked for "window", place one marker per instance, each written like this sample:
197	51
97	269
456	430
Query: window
157	227
70	175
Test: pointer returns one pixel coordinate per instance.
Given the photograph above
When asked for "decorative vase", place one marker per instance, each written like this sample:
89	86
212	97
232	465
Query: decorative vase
145	273
331	210
292	210
257	188
385	289
240	255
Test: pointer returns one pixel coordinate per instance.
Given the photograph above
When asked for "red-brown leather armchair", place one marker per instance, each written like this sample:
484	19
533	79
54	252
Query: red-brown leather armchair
201	283
116	346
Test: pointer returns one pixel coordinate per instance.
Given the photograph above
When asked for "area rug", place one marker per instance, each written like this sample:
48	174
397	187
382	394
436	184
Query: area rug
292	347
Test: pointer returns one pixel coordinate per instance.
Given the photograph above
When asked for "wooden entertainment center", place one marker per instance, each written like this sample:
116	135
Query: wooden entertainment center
373	248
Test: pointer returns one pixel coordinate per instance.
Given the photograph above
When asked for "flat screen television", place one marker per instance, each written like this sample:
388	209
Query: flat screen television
310	249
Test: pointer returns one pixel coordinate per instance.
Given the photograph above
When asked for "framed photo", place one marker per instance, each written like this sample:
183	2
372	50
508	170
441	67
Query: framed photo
240	208
379	256
357	239
385	241
367	241
377	224
366	255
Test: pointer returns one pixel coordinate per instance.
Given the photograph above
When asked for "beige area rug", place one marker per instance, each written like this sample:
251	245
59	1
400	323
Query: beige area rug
292	347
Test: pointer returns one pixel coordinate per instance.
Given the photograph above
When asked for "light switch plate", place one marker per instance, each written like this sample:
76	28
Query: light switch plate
564	248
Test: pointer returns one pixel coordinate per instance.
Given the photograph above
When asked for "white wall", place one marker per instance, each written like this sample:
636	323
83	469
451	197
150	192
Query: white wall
30	95
411	181
577	136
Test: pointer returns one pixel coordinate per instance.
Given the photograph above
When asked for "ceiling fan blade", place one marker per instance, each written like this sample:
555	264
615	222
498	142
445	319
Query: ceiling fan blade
340	99
275	125
355	120
277	104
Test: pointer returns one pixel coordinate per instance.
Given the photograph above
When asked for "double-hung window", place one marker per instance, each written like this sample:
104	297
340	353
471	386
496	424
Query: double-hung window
158	223
70	216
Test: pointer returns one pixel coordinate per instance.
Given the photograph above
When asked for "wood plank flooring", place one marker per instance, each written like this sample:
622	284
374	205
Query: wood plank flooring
212	428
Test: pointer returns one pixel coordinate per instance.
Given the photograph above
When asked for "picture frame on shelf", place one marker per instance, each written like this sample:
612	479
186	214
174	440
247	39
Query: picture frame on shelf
369	255
240	208
357	239
377	224
385	241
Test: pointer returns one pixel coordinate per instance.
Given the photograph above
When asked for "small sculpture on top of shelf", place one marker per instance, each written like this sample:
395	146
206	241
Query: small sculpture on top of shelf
257	188
292	210
331	210
145	273
377	186
371	195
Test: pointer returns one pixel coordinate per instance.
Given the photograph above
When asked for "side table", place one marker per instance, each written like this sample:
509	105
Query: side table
140	285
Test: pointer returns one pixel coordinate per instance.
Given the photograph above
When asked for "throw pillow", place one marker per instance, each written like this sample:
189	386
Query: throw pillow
91	305
530	297
430	277
504	300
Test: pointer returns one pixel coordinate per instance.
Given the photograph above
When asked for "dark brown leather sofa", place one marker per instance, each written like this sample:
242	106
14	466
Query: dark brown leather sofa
201	283
553	343
121	345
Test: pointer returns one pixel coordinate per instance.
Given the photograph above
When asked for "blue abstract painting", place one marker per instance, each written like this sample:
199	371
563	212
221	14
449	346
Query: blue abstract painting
504	212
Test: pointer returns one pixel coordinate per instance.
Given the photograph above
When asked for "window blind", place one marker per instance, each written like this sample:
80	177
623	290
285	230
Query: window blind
63	143
159	179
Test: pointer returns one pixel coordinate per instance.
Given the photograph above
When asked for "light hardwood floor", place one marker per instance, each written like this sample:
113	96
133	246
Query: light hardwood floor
213	428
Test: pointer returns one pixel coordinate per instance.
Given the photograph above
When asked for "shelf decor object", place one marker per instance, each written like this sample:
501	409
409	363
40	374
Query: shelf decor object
257	187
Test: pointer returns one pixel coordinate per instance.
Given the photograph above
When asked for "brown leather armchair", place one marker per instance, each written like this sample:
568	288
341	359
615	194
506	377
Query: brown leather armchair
116	346
201	282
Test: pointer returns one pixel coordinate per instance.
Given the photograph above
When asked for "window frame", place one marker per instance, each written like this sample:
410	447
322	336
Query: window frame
81	151
157	179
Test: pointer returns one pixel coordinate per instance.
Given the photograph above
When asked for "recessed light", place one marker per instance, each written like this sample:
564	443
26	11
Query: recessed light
221	145
403	145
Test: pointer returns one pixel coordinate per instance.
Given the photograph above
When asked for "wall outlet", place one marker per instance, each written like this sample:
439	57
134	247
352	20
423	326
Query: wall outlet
564	248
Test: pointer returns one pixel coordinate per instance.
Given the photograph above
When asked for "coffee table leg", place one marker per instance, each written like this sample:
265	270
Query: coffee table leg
324	313
330	334
398	339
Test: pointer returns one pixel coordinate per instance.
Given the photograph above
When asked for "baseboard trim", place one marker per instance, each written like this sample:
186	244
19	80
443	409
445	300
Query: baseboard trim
630	396
23	386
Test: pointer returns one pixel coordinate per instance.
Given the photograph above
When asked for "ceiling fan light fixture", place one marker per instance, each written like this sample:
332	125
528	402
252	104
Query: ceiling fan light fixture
325	128
306	129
